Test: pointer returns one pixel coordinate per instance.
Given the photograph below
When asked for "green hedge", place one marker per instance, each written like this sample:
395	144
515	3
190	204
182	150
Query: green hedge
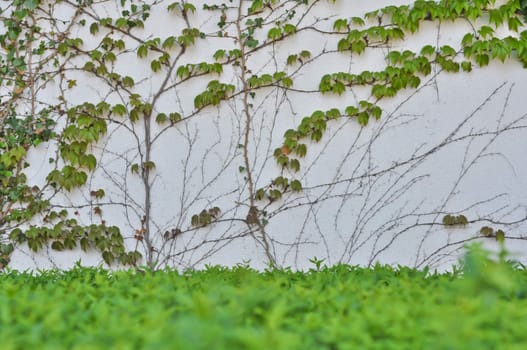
481	306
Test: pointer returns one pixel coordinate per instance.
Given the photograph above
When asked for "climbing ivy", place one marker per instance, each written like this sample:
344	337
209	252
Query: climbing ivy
406	69
38	49
30	59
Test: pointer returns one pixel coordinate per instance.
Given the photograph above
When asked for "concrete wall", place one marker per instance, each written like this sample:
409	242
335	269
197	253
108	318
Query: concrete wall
455	145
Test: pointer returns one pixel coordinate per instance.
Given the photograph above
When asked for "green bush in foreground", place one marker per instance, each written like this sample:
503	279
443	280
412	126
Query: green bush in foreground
482	305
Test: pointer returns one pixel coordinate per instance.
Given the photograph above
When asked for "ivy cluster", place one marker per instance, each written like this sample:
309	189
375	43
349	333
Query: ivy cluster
24	42
405	69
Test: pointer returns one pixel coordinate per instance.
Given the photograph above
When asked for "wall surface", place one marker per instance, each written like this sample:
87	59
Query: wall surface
455	145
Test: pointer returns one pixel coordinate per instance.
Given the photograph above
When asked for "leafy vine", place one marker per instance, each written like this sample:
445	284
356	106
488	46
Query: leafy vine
51	49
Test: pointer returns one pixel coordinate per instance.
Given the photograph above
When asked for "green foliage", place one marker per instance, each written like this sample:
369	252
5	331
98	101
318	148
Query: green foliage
277	79
20	132
406	69
487	231
455	220
214	94
491	276
205	217
189	70
481	306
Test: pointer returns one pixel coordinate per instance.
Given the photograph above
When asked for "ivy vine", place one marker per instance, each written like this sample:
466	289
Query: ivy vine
38	50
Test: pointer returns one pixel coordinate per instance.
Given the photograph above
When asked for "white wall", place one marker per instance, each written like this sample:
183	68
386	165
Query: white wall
456	145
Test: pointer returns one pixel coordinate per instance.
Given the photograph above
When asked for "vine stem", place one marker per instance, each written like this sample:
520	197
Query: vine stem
247	114
148	189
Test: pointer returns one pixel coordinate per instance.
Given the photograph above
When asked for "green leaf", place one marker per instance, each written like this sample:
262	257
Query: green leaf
219	55
376	112
294	164
292	59
394	57
500	236
149	165
57	245
449	220
31	4
351	111
274	33
189	7
379	91
289	29
108	257
121	23
358	47
301	150
174	117
119	109
467	39
461	220
296	186
142	51
85	244
173	6
333	113
485	31
128	81
169	42
447	50
90	162
155	65
89	66
275	194
340	24
363	118
338	88
260	194
343	45
357	21
514	23
466	66
161	118
194	220
482	60
286	82
252	43
305	54
183	72
94	28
